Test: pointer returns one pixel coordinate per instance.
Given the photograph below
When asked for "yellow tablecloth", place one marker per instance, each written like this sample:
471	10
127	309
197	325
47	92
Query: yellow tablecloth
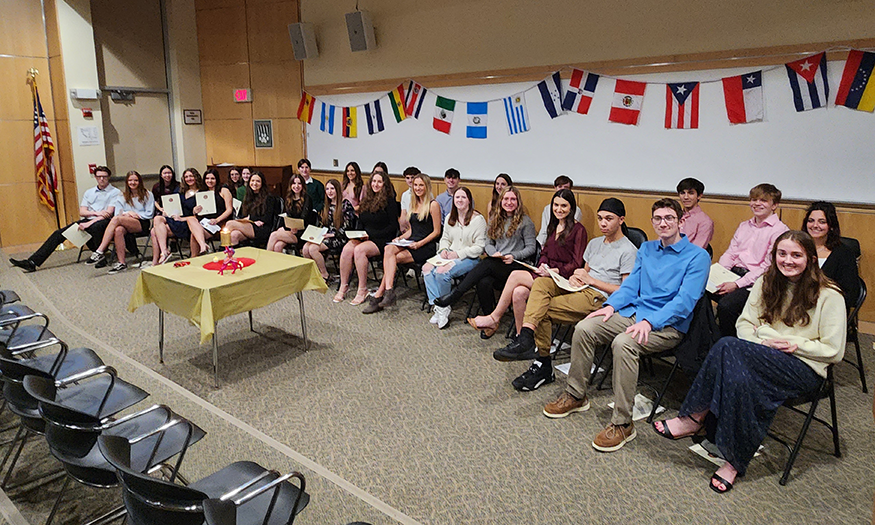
203	296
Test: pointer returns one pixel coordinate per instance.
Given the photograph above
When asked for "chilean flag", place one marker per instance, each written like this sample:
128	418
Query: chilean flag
744	97
682	105
808	82
580	91
628	98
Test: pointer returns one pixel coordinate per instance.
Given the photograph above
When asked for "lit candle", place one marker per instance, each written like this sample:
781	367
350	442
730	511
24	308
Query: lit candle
225	236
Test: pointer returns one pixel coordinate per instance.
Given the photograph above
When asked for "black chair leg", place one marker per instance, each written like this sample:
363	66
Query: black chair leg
860	365
15	458
57	504
798	445
662	392
835	423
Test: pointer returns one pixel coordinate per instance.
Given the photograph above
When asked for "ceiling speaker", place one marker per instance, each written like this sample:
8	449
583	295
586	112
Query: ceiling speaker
303	41
361	31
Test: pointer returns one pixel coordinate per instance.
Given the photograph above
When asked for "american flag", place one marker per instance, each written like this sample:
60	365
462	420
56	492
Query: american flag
43	153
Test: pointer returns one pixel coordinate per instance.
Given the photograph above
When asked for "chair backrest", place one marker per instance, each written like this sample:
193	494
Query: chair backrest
636	235
854	246
855	311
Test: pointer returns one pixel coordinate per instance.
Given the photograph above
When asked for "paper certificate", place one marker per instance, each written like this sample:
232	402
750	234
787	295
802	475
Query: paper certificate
236	204
212	228
292	223
76	236
314	234
563	283
356	234
437	260
207	201
719	275
172	205
403	243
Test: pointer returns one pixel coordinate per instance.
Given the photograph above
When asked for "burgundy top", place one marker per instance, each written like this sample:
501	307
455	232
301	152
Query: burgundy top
568	256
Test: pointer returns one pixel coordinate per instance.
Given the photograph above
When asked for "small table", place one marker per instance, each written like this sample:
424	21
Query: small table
203	296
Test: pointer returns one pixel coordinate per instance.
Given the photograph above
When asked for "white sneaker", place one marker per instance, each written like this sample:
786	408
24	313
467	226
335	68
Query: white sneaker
443	314
95	258
434	316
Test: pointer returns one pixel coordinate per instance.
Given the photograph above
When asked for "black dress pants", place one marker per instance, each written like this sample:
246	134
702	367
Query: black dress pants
489	275
57	238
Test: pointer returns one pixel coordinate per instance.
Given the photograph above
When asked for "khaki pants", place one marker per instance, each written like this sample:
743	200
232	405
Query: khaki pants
590	334
550	304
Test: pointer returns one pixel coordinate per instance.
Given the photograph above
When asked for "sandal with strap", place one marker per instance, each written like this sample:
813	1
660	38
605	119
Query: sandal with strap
727	486
341	295
485	333
359	298
666	433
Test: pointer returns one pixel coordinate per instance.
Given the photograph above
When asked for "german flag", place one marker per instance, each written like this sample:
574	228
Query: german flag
396	100
349	123
305	108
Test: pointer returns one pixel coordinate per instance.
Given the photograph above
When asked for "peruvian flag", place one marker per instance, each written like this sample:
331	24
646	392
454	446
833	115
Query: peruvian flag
628	98
744	97
682	105
580	91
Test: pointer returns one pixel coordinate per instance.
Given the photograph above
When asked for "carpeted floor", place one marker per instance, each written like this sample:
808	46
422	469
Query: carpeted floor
393	420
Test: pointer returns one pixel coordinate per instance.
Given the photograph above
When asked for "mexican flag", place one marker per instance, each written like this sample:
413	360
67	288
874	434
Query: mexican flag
443	114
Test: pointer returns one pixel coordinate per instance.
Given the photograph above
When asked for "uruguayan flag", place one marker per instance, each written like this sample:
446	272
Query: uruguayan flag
516	113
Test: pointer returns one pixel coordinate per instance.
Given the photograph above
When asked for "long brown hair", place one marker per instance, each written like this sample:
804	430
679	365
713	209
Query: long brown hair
337	219
498	216
374	202
356	182
141	191
805	293
300	206
198	181
254	203
454	213
569	221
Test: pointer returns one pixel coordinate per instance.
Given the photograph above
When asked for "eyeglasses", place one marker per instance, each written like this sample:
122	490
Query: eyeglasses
669	219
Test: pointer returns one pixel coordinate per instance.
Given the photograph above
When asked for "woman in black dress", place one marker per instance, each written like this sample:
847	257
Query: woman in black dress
298	206
260	209
224	209
424	216
836	260
338	215
166	185
378	215
176	225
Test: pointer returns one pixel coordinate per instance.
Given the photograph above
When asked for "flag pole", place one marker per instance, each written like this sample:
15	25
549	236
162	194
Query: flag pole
33	72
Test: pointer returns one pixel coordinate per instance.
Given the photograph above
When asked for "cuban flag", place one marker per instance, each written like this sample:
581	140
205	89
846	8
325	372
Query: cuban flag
327	121
414	96
744	97
551	92
374	116
580	91
477	112
682	105
516	114
808	82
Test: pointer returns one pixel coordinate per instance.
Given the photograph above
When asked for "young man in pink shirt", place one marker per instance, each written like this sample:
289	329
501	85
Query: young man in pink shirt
748	254
696	224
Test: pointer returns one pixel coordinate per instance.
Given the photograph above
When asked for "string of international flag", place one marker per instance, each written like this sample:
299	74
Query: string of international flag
743	96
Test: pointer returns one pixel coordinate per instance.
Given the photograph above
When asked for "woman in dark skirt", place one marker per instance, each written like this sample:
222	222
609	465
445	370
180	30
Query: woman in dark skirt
378	216
791	329
424	216
260	208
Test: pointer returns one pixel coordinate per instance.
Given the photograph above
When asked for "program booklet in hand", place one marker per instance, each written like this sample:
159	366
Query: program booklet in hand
172	205
212	228
356	234
292	223
207	201
76	236
437	260
719	275
563	283
314	234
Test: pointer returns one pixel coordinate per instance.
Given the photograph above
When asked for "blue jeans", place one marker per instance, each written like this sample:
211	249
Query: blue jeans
440	284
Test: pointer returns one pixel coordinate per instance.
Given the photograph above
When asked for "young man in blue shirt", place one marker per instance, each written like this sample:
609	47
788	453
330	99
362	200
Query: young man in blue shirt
445	199
649	313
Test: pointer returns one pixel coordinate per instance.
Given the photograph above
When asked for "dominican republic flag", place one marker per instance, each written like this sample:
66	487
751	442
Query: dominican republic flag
808	82
580	91
349	126
374	116
682	105
477	119
305	108
551	93
443	114
516	114
857	89
414	97
628	98
327	121
744	97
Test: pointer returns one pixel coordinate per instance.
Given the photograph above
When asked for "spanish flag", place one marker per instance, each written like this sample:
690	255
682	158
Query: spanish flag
857	89
349	123
396	100
305	108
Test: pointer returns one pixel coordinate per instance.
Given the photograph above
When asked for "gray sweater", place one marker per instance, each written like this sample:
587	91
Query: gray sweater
521	244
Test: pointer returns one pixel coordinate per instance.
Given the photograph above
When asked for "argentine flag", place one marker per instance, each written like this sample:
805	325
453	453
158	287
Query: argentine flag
516	113
477	119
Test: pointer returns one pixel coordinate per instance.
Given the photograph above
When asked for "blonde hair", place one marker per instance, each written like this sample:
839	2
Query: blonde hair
421	208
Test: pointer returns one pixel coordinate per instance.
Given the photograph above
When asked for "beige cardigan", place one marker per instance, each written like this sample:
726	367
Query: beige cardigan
820	342
467	241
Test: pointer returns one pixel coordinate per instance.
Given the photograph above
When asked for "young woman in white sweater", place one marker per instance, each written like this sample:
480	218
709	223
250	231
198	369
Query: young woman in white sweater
462	243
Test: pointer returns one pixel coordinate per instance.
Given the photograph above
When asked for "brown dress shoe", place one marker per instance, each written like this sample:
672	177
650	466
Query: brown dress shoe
565	405
613	437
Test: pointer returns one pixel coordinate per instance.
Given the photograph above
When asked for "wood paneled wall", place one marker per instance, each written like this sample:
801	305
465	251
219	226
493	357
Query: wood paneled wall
727	213
245	44
24	45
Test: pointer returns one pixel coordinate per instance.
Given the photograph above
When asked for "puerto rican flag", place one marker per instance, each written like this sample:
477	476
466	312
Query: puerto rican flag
580	91
808	82
682	105
628	98
744	97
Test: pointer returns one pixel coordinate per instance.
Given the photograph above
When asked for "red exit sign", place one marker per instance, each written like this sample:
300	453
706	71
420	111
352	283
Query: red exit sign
242	95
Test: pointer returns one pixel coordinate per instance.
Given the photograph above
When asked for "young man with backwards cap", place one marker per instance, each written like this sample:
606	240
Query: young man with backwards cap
609	260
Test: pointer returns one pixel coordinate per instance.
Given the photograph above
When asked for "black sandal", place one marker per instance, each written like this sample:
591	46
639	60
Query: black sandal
666	433
719	479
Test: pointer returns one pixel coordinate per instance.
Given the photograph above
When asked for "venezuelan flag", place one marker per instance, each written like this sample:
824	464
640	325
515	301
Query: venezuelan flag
396	100
305	108
350	126
857	89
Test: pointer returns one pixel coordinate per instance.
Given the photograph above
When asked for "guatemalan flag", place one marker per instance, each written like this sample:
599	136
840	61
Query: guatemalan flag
744	97
551	92
477	112
516	114
808	82
580	91
682	105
